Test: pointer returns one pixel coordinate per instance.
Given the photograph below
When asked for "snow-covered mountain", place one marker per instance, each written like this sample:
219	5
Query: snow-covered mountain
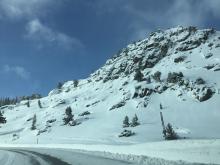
176	71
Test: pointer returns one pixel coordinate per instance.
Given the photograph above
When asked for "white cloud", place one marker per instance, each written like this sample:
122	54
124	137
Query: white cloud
185	13
39	32
18	70
30	11
212	6
24	8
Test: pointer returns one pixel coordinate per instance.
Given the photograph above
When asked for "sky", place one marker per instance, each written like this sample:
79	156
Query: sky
43	42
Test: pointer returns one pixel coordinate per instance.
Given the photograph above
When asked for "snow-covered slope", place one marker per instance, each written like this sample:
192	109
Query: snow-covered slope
181	71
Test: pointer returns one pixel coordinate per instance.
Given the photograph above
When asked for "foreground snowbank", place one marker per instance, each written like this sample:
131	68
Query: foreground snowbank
199	151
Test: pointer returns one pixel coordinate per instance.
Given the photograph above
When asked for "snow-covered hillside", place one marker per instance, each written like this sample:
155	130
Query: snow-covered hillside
178	68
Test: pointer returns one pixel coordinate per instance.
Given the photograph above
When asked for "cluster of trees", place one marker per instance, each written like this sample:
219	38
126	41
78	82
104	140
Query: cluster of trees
126	123
32	97
38	102
168	131
13	101
134	122
75	84
8	101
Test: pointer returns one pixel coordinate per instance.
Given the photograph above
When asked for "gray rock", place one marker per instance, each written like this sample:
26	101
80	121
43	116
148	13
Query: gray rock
126	133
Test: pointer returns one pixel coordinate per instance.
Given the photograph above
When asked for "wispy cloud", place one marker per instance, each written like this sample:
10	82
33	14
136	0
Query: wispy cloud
30	11
16	9
145	16
185	13
41	33
17	70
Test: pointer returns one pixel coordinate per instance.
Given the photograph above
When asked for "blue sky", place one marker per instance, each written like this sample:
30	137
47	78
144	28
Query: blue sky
43	42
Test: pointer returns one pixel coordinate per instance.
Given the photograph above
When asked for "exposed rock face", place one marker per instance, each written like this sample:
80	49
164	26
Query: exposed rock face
140	58
159	63
147	53
118	105
143	92
179	59
156	76
205	95
174	77
200	81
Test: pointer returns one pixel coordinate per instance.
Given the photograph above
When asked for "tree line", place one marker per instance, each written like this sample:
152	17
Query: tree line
12	101
8	101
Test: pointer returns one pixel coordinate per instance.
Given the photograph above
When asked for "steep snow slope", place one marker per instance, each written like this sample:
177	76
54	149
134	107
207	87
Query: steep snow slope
181	71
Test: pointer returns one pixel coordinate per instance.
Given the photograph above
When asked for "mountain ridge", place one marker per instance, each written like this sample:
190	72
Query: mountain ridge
177	69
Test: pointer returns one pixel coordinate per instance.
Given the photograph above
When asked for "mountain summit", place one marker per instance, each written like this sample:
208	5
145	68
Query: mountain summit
175	71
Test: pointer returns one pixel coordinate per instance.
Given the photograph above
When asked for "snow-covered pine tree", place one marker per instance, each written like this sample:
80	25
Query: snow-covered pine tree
170	133
134	121
33	127
39	104
28	103
75	83
59	85
2	118
69	116
126	122
161	107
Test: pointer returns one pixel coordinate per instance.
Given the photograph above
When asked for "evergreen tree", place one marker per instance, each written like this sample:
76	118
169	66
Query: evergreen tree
28	103
69	115
134	121
33	127
2	118
170	134
75	83
39	104
138	76
161	107
59	85
126	122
